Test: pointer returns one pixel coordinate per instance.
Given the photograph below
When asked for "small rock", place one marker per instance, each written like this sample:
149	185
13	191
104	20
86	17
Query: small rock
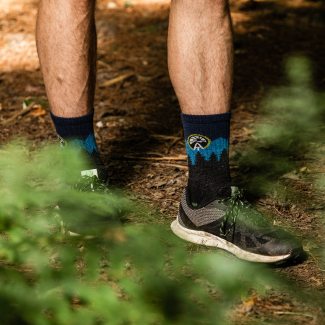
100	124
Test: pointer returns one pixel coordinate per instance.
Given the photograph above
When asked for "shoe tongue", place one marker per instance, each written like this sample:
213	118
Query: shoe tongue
217	204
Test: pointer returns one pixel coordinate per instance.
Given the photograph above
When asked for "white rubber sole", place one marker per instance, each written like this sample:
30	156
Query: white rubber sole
207	239
74	234
65	231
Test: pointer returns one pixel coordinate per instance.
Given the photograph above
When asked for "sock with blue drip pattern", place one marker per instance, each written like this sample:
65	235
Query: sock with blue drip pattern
207	148
79	131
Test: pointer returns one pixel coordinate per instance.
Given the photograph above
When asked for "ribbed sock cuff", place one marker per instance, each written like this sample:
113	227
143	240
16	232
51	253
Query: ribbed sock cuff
74	127
205	119
213	126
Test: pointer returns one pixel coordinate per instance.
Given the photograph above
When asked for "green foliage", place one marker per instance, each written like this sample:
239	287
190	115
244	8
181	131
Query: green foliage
291	130
293	113
129	274
132	273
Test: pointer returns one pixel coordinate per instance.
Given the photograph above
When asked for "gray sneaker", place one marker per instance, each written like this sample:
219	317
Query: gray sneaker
236	227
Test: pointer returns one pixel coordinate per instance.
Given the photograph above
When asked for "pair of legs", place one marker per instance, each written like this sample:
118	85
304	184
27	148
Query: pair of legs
200	58
200	55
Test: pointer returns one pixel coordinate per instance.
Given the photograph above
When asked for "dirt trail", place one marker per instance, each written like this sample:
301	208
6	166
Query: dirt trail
137	117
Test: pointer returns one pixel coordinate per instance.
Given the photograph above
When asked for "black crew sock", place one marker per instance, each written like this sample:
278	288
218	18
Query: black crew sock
79	131
207	147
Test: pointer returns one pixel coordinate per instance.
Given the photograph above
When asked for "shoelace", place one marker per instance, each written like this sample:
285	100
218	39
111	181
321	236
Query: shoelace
234	204
237	204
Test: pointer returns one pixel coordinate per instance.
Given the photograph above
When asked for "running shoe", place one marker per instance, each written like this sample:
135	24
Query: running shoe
95	166
92	179
236	227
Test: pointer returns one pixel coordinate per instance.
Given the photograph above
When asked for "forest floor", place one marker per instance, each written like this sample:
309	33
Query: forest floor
137	114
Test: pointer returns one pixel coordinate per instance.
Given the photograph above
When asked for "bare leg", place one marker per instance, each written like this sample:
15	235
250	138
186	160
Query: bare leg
200	55
66	42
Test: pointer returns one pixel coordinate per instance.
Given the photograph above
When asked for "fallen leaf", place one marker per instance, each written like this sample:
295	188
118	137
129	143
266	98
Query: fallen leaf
304	170
38	111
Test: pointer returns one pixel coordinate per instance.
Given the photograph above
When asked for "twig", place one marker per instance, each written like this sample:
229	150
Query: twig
118	79
155	163
19	114
183	167
175	158
174	142
149	78
164	137
292	313
104	64
152	153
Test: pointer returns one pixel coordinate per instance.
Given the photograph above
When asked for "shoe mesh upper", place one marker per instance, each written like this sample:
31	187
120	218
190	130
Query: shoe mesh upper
238	223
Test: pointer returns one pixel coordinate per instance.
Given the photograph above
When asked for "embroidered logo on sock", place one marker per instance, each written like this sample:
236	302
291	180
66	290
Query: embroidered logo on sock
200	144
198	141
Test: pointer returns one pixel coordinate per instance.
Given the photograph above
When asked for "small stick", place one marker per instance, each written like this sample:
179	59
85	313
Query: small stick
171	165
157	154
164	137
118	79
174	142
19	114
183	167
292	313
175	158
104	64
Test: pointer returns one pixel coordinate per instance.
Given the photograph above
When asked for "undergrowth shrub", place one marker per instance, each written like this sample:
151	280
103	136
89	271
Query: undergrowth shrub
289	132
129	274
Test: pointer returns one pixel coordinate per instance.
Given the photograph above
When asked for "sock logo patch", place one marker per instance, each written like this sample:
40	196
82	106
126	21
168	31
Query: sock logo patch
198	141
206	149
